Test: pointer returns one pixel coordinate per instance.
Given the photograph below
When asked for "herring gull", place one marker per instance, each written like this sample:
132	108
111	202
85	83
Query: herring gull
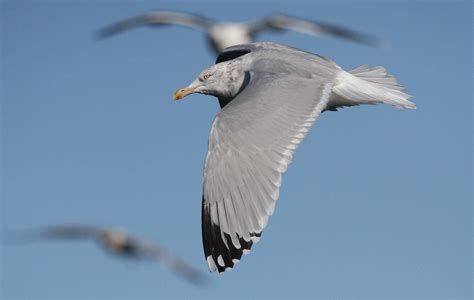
225	34
270	95
118	242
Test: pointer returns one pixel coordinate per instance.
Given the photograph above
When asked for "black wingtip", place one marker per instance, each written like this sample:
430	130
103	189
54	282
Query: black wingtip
107	32
219	250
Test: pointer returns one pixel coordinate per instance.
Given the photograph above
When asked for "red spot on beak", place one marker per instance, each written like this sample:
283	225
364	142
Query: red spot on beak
180	94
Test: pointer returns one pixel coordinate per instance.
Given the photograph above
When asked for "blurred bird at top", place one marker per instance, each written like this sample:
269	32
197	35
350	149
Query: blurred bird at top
118	242
225	34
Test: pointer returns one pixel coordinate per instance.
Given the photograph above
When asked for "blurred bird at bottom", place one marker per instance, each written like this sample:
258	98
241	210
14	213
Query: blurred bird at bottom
118	242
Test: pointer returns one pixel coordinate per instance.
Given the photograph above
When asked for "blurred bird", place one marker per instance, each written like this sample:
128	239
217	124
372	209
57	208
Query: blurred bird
224	34
270	96
118	242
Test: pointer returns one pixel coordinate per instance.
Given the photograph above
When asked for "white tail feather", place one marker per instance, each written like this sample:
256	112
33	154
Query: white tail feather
368	85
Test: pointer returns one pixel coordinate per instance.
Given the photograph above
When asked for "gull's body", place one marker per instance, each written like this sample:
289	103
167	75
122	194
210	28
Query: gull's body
225	34
270	96
118	242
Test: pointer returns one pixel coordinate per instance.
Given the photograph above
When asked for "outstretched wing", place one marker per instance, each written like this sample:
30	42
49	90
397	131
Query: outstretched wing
316	28
62	232
156	18
251	144
171	260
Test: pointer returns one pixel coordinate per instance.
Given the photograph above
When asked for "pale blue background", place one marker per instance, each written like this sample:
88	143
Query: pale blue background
377	203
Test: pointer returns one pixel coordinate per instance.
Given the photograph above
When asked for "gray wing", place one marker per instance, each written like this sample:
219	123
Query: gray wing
172	261
63	232
73	232
315	28
156	18
251	143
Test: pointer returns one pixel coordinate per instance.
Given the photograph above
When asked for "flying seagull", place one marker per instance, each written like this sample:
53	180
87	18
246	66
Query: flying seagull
224	34
270	95
118	242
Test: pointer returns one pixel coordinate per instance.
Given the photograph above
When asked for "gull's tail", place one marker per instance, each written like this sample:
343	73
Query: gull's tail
368	85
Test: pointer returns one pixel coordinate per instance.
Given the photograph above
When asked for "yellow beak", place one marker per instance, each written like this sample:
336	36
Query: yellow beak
180	94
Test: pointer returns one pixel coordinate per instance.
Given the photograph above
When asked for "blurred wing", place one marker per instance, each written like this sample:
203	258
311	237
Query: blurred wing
251	143
283	22
156	18
66	232
172	261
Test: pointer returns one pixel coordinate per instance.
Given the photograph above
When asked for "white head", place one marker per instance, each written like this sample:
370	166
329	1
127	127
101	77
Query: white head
223	80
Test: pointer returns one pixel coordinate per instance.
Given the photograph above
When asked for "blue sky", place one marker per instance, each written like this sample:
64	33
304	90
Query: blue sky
377	204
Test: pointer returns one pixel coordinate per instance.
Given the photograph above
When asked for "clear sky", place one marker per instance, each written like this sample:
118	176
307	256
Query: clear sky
377	204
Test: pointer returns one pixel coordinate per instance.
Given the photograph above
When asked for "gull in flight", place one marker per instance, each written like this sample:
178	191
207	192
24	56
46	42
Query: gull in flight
270	96
224	34
116	241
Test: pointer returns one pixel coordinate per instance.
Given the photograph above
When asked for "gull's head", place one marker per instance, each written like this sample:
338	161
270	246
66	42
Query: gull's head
222	80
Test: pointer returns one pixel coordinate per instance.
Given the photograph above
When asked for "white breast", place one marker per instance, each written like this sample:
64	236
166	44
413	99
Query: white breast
229	34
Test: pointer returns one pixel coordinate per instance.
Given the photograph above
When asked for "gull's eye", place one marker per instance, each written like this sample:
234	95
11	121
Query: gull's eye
206	76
